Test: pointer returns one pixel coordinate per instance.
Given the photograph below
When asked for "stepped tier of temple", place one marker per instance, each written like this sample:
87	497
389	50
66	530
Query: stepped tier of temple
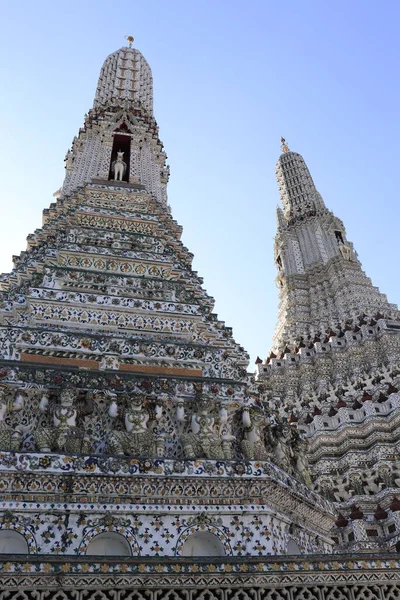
110	274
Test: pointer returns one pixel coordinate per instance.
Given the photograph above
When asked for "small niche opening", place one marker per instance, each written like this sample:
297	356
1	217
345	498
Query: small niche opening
339	237
12	542
121	143
293	548
203	543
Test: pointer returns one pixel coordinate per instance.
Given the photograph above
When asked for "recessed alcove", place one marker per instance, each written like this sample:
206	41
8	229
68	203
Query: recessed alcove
203	543
121	143
109	544
12	542
293	548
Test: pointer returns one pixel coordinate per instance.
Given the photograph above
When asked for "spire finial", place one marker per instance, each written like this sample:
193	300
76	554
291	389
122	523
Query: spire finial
284	146
130	39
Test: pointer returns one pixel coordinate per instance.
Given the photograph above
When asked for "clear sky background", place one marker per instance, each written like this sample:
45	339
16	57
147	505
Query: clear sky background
230	77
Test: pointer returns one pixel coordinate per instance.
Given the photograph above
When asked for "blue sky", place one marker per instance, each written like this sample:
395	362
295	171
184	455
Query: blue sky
230	78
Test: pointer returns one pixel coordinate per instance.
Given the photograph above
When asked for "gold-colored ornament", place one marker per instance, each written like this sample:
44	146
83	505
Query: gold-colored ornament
130	39
284	146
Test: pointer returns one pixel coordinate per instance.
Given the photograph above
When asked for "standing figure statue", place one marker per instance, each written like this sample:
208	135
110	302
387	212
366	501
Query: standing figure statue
118	166
137	439
254	423
280	435
299	447
346	251
204	440
63	435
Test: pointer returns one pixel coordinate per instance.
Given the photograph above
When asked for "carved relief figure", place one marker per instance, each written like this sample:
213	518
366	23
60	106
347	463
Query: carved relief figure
204	440
280	440
138	439
10	438
63	435
356	483
119	166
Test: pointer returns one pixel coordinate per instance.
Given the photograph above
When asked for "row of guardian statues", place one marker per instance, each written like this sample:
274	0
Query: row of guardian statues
138	426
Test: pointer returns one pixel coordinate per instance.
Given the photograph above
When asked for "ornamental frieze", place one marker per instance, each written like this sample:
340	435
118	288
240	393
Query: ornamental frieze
33	379
116	265
102	222
102	300
119	344
114	240
123	214
117	250
95	317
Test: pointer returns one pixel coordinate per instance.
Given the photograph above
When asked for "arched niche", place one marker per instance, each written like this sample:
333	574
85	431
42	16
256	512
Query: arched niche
203	543
109	544
293	548
12	542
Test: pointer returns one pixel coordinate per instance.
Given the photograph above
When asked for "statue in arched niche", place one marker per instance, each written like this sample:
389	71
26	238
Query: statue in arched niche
63	435
205	439
119	166
138	439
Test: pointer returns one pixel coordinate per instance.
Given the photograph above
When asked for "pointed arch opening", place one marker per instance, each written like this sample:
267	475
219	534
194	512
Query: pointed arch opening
293	548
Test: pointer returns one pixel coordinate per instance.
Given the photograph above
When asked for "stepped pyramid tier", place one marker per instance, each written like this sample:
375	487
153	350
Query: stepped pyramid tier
321	282
108	282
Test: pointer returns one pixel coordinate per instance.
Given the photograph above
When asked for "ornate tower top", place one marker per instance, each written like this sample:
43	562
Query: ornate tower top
119	140
125	75
298	193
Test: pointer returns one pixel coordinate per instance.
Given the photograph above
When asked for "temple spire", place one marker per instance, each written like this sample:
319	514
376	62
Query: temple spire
298	193
320	277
